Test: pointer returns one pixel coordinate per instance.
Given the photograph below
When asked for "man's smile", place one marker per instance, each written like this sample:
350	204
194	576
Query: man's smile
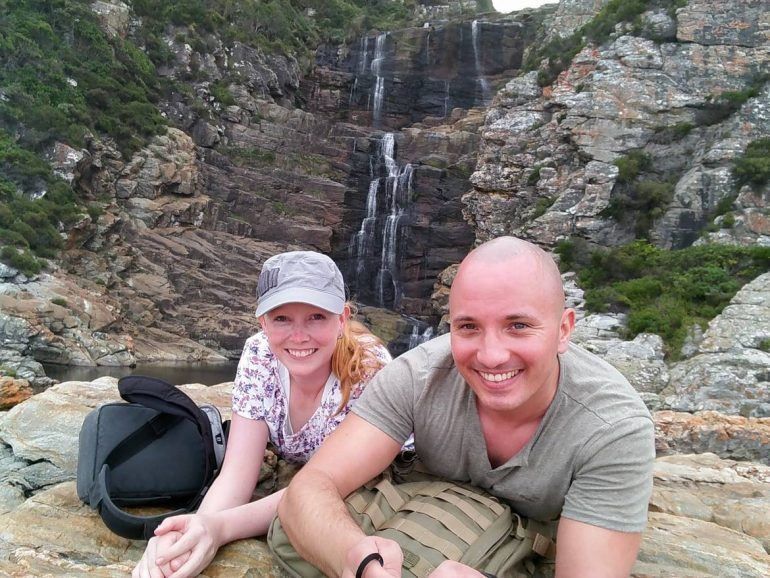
498	377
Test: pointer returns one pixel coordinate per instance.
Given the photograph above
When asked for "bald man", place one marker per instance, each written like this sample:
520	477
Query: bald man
506	403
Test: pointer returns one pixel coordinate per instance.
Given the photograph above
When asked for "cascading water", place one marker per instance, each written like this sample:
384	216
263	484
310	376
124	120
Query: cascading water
389	195
483	84
379	84
417	337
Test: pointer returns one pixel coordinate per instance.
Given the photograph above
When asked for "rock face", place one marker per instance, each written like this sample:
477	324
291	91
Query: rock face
546	167
39	504
731	370
709	516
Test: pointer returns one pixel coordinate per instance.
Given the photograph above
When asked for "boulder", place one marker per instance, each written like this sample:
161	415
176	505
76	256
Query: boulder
731	370
13	391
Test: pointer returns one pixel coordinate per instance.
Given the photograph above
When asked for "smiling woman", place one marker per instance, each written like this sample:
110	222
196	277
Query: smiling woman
296	381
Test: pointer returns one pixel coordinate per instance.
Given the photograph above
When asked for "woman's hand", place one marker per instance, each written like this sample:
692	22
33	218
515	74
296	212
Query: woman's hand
194	550
158	546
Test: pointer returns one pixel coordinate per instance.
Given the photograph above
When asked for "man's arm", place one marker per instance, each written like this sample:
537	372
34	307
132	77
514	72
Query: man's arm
586	550
312	510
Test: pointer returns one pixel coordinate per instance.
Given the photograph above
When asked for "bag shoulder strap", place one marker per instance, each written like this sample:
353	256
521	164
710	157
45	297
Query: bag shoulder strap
162	396
123	523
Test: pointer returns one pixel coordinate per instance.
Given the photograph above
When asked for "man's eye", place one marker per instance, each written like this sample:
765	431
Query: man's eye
467	326
518	326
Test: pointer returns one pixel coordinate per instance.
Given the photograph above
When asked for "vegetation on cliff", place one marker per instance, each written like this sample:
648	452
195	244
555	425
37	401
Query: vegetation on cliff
64	79
552	58
663	292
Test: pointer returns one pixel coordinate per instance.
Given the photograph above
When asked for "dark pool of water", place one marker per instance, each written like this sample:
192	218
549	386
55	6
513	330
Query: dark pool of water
174	373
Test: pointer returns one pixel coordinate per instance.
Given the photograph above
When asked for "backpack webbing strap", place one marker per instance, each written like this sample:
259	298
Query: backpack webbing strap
447	519
425	537
371	510
538	532
416	564
391	495
481	519
489	503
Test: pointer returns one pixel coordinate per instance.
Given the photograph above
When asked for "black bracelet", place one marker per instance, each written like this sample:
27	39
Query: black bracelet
365	562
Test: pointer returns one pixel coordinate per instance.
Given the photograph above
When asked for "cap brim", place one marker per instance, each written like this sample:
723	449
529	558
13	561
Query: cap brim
301	295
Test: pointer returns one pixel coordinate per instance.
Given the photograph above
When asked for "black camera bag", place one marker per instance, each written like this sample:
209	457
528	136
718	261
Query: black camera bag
158	449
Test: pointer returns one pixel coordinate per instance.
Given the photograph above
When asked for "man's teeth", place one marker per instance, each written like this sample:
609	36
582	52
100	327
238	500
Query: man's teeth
496	377
300	352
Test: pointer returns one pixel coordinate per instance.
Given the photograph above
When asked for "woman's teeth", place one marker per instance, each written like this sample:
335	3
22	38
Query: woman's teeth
300	352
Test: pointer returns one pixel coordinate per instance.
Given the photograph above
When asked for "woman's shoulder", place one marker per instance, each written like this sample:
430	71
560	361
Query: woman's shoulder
257	345
374	346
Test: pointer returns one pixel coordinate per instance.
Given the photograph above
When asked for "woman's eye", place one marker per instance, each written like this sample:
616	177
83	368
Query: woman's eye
317	317
280	319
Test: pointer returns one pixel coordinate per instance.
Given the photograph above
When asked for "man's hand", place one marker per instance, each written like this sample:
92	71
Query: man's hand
390	551
451	569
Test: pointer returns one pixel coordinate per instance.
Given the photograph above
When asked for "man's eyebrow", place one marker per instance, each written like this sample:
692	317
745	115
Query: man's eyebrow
462	318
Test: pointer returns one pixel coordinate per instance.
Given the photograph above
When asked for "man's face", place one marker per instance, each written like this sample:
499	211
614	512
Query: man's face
506	330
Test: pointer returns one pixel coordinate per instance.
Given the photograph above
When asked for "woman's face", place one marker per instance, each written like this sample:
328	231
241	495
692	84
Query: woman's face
303	338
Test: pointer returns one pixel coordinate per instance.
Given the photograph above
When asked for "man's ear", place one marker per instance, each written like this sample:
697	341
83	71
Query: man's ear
566	326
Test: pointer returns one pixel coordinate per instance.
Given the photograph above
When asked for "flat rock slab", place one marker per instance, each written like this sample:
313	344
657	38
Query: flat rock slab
709	516
54	534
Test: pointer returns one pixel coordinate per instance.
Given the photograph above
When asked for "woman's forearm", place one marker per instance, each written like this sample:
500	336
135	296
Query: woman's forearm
247	521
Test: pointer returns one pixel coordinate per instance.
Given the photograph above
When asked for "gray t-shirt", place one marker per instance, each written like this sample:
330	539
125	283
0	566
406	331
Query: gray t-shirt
590	459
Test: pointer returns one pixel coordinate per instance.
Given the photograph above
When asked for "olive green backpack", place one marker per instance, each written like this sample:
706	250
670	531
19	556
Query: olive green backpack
434	521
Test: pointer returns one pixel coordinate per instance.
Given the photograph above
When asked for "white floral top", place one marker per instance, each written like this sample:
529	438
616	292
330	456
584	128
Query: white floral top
261	392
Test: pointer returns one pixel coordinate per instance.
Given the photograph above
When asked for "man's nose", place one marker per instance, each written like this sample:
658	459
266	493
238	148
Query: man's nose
493	351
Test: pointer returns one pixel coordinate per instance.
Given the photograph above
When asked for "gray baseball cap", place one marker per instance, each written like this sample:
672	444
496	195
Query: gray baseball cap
300	277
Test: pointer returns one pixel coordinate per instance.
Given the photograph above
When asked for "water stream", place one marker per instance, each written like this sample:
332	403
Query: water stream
376	247
483	83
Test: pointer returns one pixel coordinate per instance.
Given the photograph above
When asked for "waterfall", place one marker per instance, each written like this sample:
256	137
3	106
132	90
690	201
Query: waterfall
483	84
364	239
446	98
376	68
417	337
352	96
364	49
389	195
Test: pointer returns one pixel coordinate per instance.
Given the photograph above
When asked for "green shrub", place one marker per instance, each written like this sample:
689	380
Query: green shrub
534	176
5	370
60	301
665	292
631	165
221	92
62	76
542	205
764	345
22	260
753	167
